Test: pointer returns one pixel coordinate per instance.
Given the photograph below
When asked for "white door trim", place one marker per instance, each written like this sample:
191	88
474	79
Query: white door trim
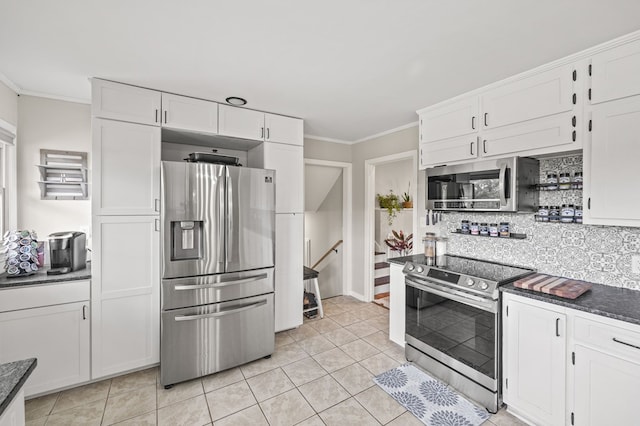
369	210
347	213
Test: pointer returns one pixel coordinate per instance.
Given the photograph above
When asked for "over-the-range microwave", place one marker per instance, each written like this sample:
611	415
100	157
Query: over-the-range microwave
505	185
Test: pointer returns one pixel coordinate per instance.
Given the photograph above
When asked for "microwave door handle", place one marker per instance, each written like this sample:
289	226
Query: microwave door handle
503	186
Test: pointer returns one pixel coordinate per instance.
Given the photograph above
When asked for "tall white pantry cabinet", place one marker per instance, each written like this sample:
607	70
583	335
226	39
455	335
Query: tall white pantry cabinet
125	296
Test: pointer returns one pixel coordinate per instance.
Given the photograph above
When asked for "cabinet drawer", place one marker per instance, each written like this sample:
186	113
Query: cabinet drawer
44	295
623	340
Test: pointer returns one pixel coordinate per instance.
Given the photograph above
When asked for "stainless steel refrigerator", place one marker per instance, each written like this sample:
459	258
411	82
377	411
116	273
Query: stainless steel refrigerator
218	229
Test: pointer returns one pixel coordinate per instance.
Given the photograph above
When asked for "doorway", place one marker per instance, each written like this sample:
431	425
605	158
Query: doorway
327	228
395	174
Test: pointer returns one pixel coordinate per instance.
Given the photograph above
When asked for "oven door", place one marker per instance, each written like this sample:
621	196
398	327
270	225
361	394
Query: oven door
457	329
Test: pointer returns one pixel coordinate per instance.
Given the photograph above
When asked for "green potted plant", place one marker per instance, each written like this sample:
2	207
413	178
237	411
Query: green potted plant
390	202
407	203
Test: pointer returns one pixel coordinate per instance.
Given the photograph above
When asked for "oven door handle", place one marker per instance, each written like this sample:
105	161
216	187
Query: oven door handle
222	283
455	295
503	186
221	313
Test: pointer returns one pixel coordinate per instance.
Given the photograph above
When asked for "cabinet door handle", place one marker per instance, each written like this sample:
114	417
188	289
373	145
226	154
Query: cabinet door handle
589	203
267	133
473	122
157	225
165	116
625	343
156	204
573	135
261	132
84	312
484	146
558	327
486	115
156	115
573	121
574	98
471	148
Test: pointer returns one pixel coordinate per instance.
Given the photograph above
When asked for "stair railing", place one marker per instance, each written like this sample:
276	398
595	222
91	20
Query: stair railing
327	253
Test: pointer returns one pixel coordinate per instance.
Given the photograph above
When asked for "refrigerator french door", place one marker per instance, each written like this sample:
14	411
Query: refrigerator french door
218	228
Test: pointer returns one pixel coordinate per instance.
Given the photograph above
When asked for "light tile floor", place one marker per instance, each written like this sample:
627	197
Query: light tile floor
320	374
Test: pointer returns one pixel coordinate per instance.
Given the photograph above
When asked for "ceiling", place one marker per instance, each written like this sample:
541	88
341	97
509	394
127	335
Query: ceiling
351	69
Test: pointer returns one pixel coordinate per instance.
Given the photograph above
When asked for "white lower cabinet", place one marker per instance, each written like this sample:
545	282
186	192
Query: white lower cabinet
288	271
57	335
534	363
588	375
606	388
125	294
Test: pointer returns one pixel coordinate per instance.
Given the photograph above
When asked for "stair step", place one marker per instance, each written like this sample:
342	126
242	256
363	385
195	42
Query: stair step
381	295
382	280
382	265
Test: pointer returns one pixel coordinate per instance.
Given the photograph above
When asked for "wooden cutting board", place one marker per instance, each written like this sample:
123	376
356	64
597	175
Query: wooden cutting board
558	286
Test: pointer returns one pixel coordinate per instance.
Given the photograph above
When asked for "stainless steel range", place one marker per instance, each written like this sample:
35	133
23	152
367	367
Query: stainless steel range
453	324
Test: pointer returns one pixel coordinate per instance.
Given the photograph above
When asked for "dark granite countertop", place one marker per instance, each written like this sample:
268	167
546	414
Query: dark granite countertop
41	277
416	258
612	302
12	376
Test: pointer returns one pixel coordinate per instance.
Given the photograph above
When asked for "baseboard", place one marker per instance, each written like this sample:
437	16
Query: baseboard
358	296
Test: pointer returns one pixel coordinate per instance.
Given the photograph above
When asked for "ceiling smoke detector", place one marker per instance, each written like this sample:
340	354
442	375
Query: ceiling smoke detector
234	100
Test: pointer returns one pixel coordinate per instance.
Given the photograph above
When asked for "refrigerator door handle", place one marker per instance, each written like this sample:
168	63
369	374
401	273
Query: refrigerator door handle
221	313
224	283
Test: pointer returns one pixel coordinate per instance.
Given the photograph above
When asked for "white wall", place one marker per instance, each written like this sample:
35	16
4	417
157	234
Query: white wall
393	177
324	228
9	114
393	143
50	124
8	105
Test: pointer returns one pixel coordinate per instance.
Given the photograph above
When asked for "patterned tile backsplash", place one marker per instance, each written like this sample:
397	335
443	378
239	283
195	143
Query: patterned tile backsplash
599	254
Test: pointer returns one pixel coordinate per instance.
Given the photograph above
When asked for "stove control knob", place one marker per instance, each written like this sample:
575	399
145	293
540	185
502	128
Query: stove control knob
470	282
419	269
410	267
483	285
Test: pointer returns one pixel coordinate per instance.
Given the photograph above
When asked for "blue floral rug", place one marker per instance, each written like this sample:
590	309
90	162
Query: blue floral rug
431	401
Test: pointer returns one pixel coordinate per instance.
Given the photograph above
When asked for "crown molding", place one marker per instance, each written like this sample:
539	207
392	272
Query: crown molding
388	132
56	97
10	84
322	138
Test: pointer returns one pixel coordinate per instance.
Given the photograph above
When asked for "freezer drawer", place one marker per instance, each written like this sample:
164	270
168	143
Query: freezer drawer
196	291
207	339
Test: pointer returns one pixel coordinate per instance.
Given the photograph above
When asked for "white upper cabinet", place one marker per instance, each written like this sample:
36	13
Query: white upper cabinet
541	95
448	150
534	115
451	120
288	162
125	103
126	168
559	130
615	73
611	164
279	128
241	123
190	114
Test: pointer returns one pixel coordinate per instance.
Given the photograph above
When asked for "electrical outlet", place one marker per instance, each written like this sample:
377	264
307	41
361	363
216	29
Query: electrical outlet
635	264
